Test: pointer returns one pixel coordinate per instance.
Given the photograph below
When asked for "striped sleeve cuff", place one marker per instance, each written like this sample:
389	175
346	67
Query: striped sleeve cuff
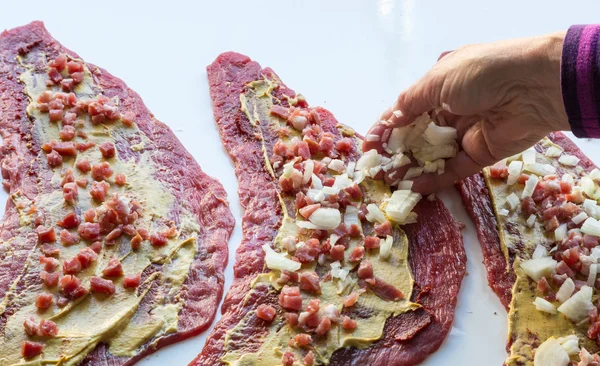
580	79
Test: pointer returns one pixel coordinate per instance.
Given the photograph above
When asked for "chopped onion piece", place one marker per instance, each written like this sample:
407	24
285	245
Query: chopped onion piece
531	220
578	306
351	216
565	291
568	160
385	249
540	169
514	171
336	165
503	212
588	186
342	181
553	152
570	344
438	135
578	219
288	169
401	204
513	201
306	225
590	207
530	186
591	226
538	268
375	214
338	272
399	160
316	182
431	153
369	160
326	218
595	174
397	138
279	261
568	178
351	168
560	233
539	252
544	305
330	190
372	172
413	173
591	280
333	239
309	167
359	176
551	353
405	184
528	156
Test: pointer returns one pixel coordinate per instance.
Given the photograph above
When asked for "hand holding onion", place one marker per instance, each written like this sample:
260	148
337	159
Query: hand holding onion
500	97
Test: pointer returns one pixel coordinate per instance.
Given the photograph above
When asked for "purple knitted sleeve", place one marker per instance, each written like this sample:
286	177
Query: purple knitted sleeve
580	79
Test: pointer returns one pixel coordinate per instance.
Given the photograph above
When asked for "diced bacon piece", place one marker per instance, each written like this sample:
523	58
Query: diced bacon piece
101	171
351	299
83	165
590	241
43	107
69	119
309	359
290	298
129	230
575	197
288	359
86	256
68	238
45	235
280	111
83	146
54	75
132	281
313	146
68	178
65	148
565	187
291	319
71	287
337	252
323	326
552	224
563	268
528	206
98	119
44	301
354	231
31	349
89	231
89	215
113	268
158	240
111	112
57	103
302	340
96	247
301	149
365	270
344	145
355	192
70	193
136	241
543	285
45	97
347	323
571	256
49	279
326	144
99	190
67	84
499	173
306	211
266	312
114	234
107	149
120	179
143	233
59	63
54	159
309	281
357	254
49	263
48	328
31	326
568	210
74	66
372	242
50	250
71	266
77	77
83	182
309	251
128	118
101	285
67	133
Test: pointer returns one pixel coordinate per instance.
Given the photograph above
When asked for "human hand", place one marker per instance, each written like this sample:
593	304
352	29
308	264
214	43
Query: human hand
502	98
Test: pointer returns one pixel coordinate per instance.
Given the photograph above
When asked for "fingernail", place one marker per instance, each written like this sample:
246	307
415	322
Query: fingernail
446	107
397	113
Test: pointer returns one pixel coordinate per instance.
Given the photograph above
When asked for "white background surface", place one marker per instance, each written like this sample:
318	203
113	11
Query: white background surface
350	56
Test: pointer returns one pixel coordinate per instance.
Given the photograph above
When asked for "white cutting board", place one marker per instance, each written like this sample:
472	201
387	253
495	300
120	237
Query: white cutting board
350	56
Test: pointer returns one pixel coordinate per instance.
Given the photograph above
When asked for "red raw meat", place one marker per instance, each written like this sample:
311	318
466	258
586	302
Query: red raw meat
476	199
24	170
436	253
